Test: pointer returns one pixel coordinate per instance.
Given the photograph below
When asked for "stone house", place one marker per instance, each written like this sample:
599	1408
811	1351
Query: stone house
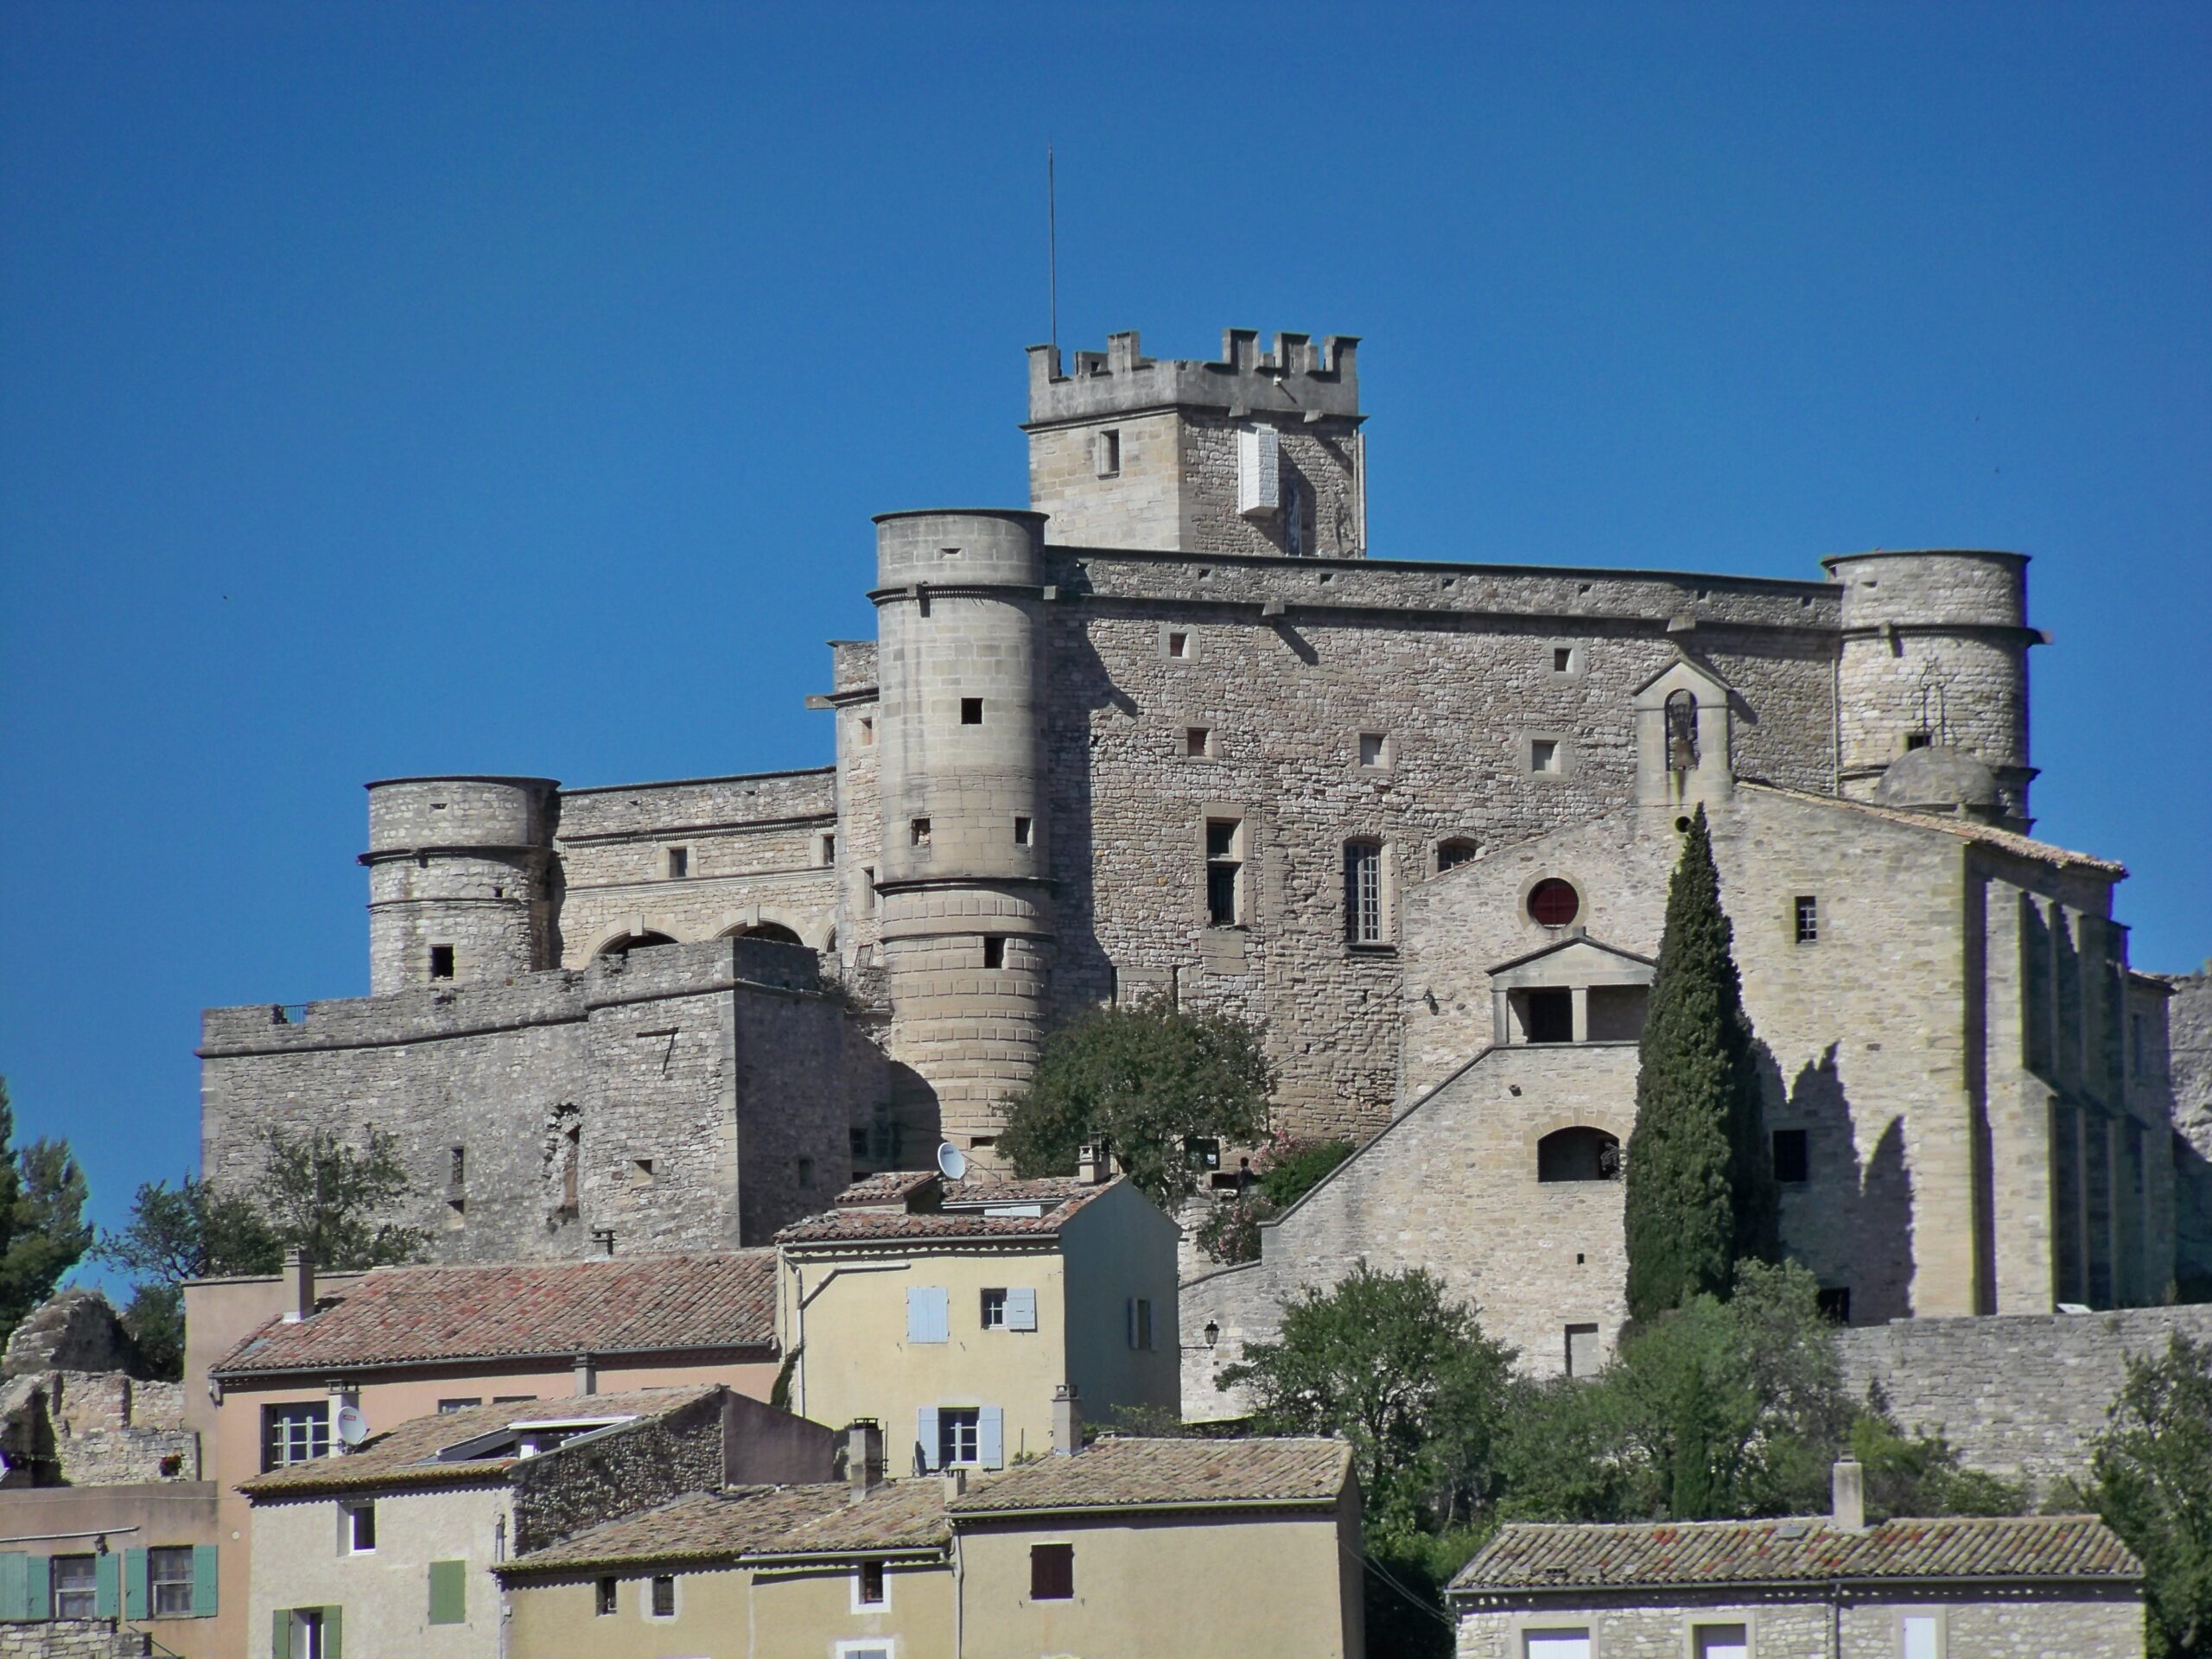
269	1360
1960	1587
1121	1548
955	1313
390	1545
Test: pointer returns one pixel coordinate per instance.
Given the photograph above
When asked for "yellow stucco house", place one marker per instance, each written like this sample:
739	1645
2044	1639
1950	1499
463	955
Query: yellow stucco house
955	1312
1122	1548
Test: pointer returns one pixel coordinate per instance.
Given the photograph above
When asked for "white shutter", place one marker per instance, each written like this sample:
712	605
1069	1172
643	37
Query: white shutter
1022	1310
927	1319
1259	472
1558	1644
926	1436
1920	1636
991	1437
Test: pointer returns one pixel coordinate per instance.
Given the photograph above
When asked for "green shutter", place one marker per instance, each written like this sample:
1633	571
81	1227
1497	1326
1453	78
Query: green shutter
14	1584
449	1592
38	1589
280	1634
333	1625
107	1587
205	1558
136	1598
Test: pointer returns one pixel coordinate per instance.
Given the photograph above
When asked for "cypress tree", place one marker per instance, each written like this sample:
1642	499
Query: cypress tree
1701	1194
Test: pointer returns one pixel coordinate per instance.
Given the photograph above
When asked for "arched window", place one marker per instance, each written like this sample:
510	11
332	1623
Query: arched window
1450	855
629	942
1682	732
1580	1153
1553	903
774	931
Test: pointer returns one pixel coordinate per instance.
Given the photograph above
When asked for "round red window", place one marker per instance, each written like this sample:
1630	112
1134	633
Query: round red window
1553	903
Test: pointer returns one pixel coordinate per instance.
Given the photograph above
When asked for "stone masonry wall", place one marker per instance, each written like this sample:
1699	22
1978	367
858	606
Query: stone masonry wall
2022	1397
633	1469
73	1638
620	1096
2189	1064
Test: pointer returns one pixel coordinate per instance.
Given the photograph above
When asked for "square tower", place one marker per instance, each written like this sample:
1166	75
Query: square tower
1258	454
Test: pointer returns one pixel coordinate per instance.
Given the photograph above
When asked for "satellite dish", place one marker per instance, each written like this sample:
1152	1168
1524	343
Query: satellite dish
951	1162
353	1427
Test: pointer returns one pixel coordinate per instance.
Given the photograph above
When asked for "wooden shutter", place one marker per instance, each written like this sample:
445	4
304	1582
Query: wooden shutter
927	1316
107	1587
280	1634
991	1437
334	1631
1022	1310
449	1592
925	1435
38	1589
14	1584
1052	1571
137	1600
205	1577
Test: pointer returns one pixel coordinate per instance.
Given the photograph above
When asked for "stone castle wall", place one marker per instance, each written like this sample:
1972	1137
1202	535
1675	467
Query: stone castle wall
615	1097
2187	1064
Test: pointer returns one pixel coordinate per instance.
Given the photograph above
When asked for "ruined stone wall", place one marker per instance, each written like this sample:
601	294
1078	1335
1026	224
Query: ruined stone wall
669	1095
2020	1395
1456	669
754	846
94	1428
582	1485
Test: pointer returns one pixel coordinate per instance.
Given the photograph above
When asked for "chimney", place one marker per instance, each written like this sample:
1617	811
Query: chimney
299	1285
863	1458
1067	1421
955	1480
587	1375
1848	1506
1094	1165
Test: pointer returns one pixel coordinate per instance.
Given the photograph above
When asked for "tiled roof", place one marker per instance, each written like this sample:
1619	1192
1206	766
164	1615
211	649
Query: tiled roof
1966	828
1179	1473
407	1453
895	1186
1523	1557
603	1305
752	1522
1048	1189
873	1226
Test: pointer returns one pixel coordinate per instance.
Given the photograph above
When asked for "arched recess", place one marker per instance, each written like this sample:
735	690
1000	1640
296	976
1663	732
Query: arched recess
1580	1152
624	943
775	933
778	922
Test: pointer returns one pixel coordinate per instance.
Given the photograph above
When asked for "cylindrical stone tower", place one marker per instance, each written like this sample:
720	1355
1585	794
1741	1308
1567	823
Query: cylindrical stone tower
965	904
1934	654
459	879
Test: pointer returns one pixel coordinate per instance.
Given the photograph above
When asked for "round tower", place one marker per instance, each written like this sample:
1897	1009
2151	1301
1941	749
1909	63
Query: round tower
459	874
965	905
1935	655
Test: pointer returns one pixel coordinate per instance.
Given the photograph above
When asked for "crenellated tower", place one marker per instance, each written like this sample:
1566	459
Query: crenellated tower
1259	453
1934	655
965	907
459	877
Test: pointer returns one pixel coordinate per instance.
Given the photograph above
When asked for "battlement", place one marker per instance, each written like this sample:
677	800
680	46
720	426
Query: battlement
1294	379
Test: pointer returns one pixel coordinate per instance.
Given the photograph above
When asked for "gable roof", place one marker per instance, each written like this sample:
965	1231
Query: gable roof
1526	1557
759	1524
1117	1473
524	1310
1696	667
1988	834
1571	942
1058	1201
408	1453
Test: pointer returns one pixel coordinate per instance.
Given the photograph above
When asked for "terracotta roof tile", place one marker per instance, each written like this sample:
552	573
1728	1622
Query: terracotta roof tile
407	1453
697	1527
1525	1556
1047	1189
1170	1473
897	1186
897	1515
1965	829
872	1226
605	1305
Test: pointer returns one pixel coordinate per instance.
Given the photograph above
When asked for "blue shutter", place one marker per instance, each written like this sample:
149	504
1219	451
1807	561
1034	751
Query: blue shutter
926	1436
927	1319
1022	1310
107	1587
991	1437
206	1559
14	1584
137	1599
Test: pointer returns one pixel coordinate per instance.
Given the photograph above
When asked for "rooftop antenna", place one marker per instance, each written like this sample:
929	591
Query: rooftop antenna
1053	247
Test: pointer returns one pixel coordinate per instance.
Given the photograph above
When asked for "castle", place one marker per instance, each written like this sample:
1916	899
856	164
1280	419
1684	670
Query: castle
1173	731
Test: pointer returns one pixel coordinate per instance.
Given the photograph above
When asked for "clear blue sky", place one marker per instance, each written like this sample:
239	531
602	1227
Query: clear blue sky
393	389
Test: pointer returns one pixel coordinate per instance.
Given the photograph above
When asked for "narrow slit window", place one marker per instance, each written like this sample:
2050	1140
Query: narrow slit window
602	1602
442	962
1022	830
918	832
994	951
869	1591
972	711
807	1172
1793	1161
1562	660
867	732
679	863
868	890
829	850
458	1166
1225	872
1108	451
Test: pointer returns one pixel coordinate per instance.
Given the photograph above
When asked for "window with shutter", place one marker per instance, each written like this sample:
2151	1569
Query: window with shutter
1052	1571
927	1319
991	1437
107	1587
169	1581
926	1455
207	1575
76	1588
1020	1309
449	1592
135	1590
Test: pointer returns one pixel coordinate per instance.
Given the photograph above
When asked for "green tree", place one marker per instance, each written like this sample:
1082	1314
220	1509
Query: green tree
2151	1478
42	1228
1147	1081
1701	1190
314	1191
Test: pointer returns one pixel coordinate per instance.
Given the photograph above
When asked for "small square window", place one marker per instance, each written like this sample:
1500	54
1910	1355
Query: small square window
1793	1160
603	1597
1805	913
1178	643
679	863
972	711
1544	754
1107	452
994	951
361	1528
994	1310
442	962
1198	743
867	732
867	1585
665	1595
917	832
641	1172
1052	1571
807	1172
1021	826
1374	749
1834	1303
1916	740
1562	660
